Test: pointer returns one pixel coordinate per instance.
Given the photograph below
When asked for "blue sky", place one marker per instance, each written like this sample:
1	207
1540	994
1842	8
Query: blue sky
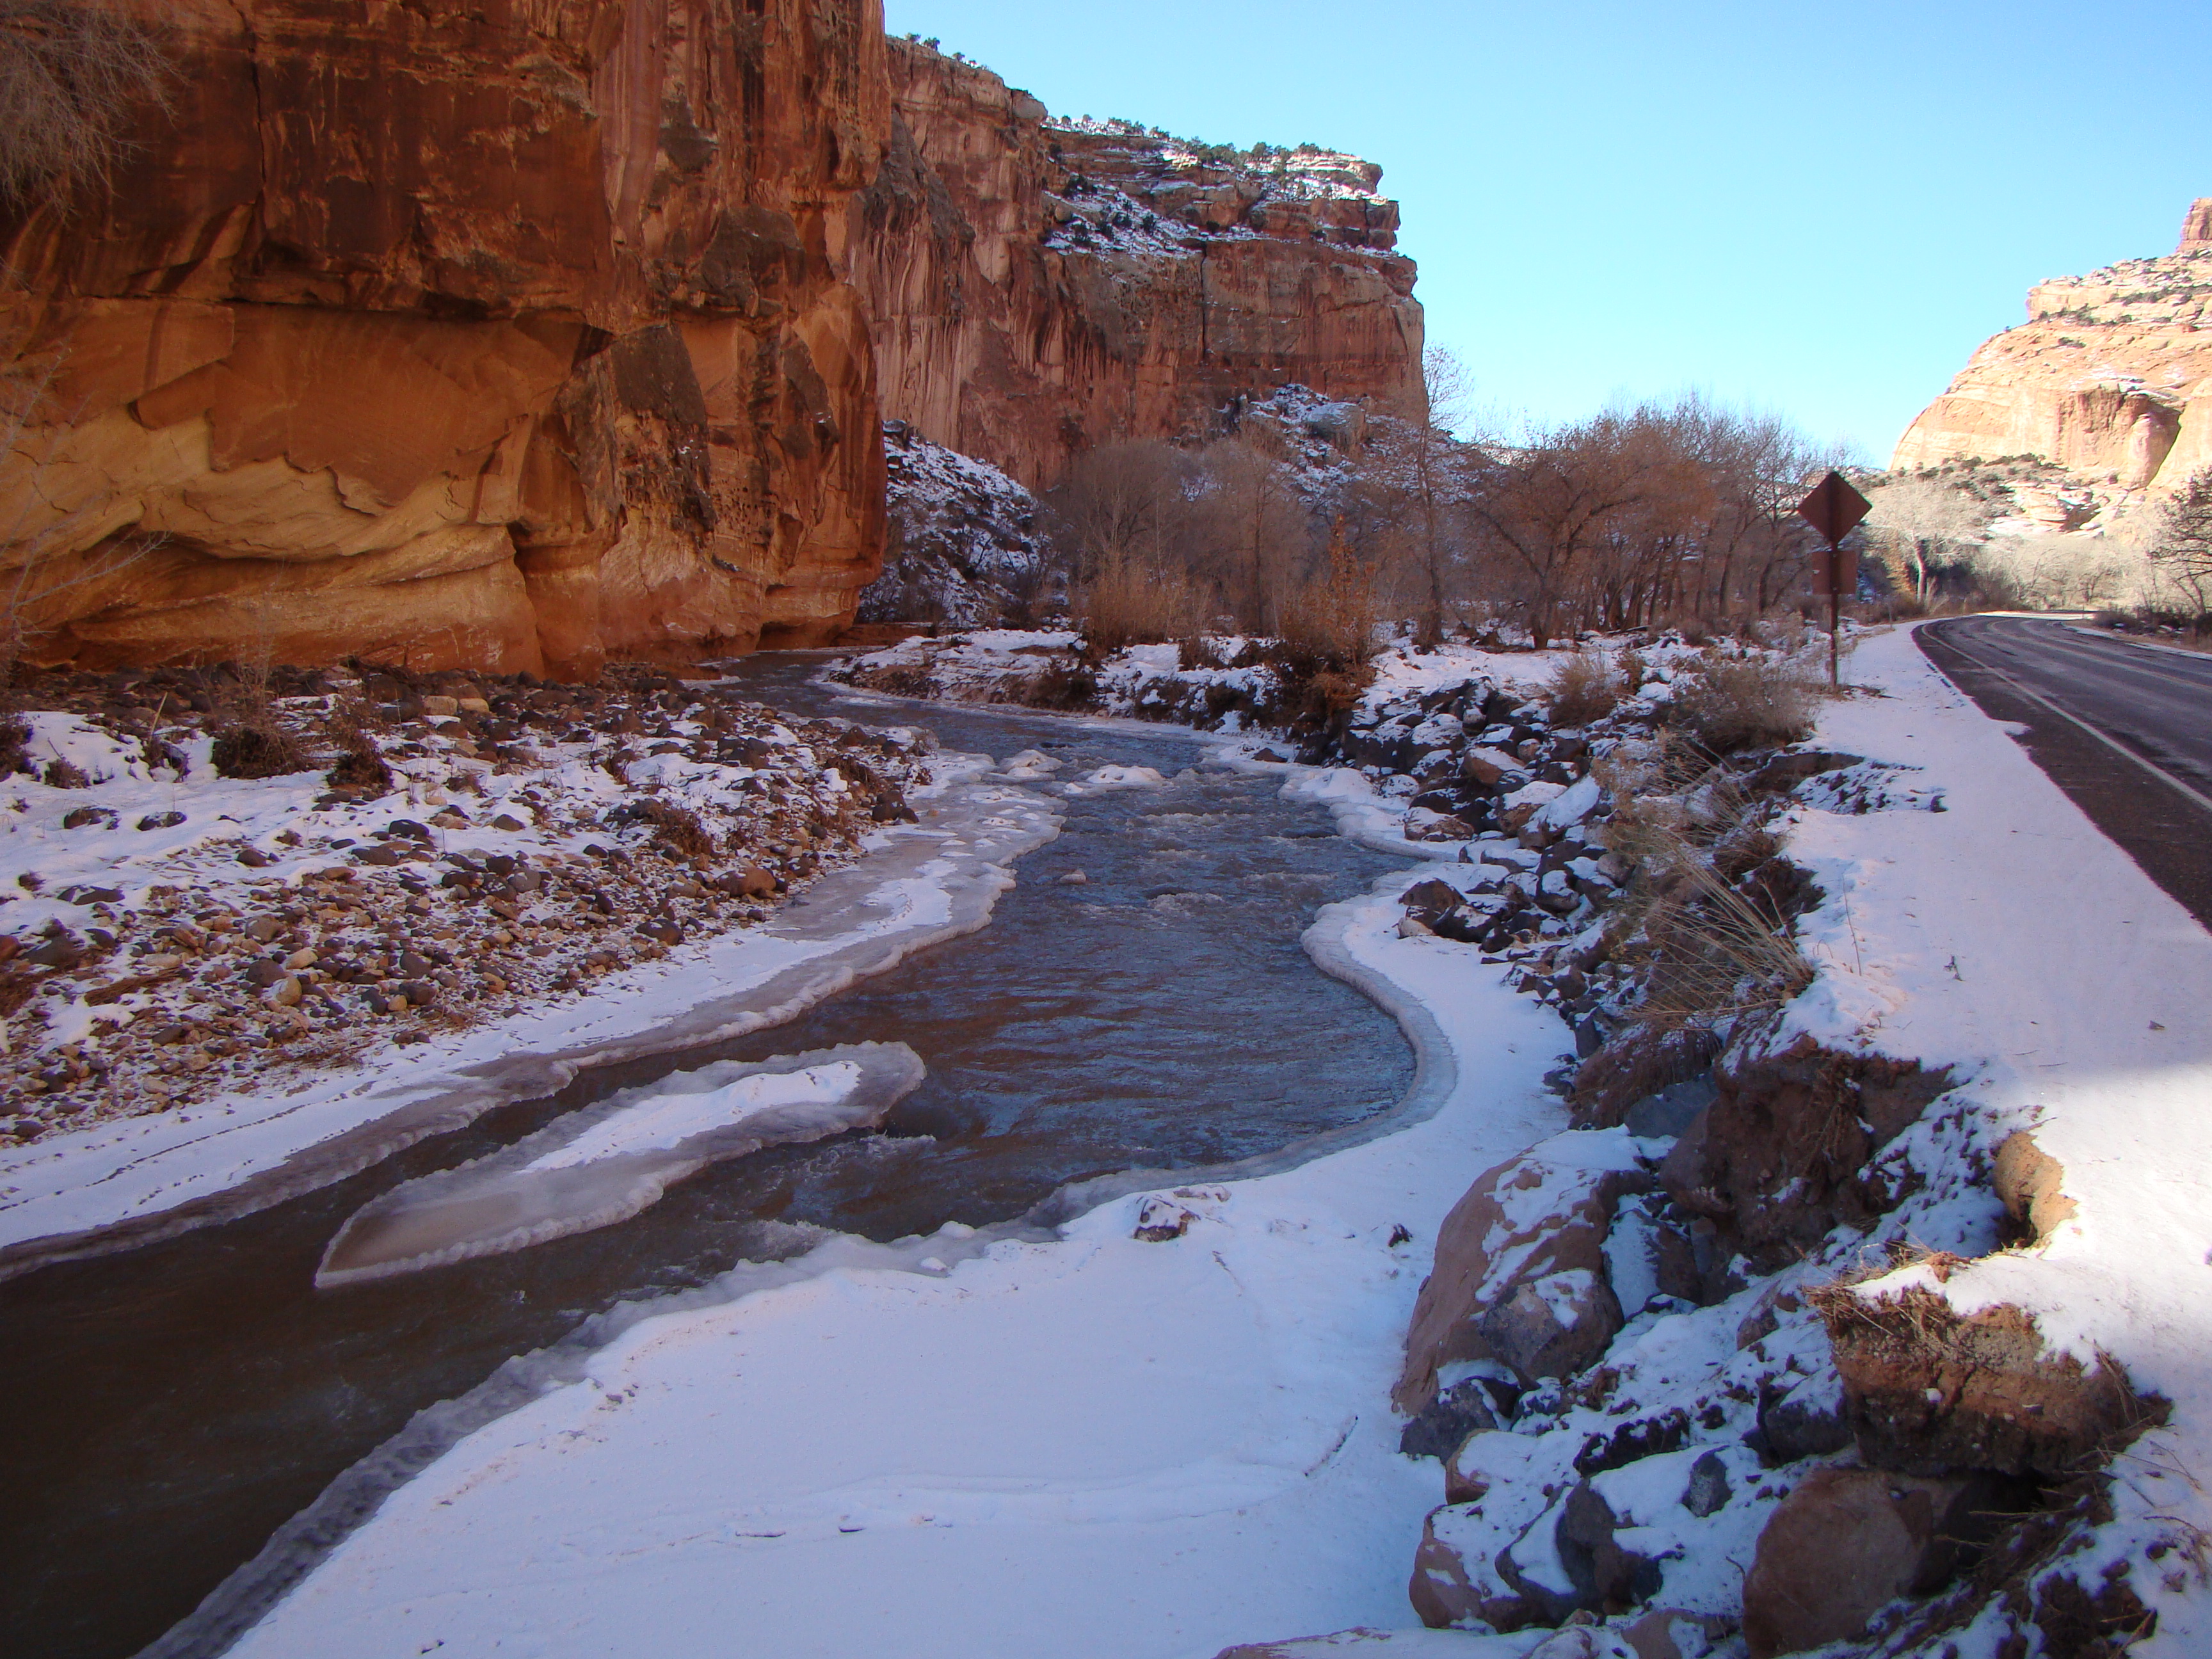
1819	210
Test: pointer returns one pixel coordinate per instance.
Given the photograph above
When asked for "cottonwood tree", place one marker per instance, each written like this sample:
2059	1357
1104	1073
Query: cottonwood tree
1923	525
2181	549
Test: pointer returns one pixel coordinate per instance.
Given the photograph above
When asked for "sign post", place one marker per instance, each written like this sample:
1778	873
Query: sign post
1834	509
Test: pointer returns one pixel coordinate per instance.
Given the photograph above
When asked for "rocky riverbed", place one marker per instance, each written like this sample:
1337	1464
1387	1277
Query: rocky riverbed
209	883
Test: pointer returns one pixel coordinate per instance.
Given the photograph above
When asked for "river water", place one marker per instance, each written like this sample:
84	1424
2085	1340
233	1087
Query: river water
171	1408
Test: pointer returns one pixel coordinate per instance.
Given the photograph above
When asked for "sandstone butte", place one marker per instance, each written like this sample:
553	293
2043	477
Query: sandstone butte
2111	376
531	334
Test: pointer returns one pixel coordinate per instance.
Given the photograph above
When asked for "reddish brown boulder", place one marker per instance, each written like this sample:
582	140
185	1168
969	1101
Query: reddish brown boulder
1845	1544
1521	1262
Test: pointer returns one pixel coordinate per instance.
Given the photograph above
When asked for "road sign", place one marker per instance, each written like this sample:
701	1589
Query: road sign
1834	508
1836	573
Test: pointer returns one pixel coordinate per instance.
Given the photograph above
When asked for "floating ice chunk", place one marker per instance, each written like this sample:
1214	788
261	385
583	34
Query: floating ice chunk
667	1121
608	1161
1122	777
1029	764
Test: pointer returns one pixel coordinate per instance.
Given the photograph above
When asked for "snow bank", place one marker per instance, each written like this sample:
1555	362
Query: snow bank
1142	1448
128	1180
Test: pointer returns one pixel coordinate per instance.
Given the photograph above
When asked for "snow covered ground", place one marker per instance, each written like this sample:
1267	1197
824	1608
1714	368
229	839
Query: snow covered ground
1141	1448
1163	1445
248	1146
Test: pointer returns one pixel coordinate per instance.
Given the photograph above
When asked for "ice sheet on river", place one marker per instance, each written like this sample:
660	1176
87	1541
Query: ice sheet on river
608	1161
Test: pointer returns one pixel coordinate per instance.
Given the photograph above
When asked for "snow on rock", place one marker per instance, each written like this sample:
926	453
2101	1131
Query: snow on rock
170	937
966	548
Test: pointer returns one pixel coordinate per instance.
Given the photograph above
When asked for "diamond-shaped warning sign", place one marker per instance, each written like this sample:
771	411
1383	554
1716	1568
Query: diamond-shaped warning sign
1834	508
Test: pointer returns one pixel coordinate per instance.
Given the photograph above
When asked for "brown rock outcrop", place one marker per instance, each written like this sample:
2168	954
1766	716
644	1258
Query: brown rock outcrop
2110	377
1782	1154
510	336
1928	1391
1033	289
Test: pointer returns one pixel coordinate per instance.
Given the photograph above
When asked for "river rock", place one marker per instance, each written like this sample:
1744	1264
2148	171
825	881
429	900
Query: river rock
1442	1425
1846	1543
1532	1219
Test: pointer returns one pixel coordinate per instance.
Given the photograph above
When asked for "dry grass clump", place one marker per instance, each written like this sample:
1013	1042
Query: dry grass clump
1716	938
1745	702
1586	685
258	749
69	71
676	829
1130	602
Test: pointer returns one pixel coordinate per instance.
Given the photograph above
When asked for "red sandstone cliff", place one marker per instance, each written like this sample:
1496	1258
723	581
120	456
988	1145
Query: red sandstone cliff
1034	290
527	334
509	336
2110	377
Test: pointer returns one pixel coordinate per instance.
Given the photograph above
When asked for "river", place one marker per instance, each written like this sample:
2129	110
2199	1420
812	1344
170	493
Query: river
173	1408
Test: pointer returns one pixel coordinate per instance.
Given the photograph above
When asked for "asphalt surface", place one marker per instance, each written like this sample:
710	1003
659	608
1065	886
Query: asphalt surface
2125	729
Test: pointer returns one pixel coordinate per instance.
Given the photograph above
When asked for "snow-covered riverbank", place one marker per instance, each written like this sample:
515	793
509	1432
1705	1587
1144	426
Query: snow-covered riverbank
1166	1431
1141	1447
140	1176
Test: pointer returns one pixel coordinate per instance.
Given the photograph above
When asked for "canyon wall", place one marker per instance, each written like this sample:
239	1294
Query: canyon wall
2110	378
1033	289
512	335
532	333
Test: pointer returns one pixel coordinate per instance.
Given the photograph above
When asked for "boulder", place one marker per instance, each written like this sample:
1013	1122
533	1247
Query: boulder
1444	1425
1782	1155
1555	1325
1808	1421
1843	1545
1540	1217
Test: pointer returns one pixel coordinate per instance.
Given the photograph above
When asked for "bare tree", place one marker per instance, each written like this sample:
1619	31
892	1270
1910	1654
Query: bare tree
1923	525
69	71
2181	550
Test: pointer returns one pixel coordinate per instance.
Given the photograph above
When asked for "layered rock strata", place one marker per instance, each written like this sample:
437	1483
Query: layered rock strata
511	337
2110	378
1036	287
520	337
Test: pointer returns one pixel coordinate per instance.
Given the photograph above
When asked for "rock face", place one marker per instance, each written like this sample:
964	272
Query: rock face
517	336
1034	289
2110	377
510	337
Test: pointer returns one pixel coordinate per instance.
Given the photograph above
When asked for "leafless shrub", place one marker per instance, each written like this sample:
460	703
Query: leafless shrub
1586	685
1060	686
675	829
1742	703
69	71
258	748
1129	601
360	763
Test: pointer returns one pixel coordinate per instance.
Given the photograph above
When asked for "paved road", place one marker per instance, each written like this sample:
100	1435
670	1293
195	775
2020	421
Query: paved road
2124	730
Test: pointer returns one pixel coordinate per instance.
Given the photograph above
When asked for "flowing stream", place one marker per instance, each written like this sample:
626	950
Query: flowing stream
172	1408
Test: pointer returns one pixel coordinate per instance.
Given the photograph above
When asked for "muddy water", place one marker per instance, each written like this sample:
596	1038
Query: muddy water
169	1410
